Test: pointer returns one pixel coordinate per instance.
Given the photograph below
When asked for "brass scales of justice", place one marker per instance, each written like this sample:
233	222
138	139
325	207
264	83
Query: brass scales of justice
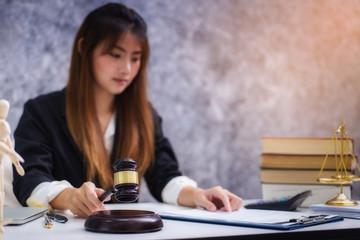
343	154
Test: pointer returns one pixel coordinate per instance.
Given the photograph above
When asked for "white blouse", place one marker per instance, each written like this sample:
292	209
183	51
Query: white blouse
47	191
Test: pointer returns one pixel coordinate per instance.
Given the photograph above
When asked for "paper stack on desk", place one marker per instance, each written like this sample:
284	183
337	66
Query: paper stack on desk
347	212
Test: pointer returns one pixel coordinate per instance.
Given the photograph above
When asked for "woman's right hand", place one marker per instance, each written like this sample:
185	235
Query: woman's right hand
81	201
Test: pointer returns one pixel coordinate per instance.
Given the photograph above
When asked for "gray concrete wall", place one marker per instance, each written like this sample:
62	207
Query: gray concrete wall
223	73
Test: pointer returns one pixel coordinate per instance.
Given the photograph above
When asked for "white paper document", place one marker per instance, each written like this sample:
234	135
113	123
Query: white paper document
243	215
348	212
281	220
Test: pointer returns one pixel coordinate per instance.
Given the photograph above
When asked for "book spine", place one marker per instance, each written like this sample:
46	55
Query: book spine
315	146
306	161
300	176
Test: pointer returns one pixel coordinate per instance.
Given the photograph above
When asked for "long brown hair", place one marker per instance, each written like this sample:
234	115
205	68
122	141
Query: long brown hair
134	135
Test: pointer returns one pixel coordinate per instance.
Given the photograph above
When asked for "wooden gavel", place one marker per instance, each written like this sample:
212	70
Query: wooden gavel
125	189
126	182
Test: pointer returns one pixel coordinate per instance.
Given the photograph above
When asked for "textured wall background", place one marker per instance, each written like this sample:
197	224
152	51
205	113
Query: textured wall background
223	73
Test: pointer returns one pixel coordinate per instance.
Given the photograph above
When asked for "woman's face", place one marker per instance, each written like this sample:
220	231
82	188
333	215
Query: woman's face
115	70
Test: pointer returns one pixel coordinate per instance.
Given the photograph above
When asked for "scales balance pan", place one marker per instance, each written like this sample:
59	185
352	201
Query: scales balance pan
125	189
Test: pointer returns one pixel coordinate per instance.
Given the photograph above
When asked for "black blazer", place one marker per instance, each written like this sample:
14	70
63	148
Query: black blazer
43	139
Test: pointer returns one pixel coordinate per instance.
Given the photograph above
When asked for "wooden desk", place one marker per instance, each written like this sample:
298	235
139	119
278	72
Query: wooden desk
74	229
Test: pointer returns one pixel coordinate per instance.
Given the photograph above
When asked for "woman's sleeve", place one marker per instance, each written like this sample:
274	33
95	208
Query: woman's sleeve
171	191
45	192
32	143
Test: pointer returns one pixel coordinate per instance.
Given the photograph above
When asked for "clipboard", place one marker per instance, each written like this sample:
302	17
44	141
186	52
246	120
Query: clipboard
290	223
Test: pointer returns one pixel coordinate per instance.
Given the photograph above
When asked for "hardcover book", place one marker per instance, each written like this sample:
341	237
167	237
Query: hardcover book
280	145
303	176
303	161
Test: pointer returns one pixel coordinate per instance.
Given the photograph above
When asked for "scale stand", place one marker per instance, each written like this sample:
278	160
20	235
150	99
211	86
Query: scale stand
341	200
342	176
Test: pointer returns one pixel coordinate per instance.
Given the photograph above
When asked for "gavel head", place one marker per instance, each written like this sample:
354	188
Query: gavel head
126	180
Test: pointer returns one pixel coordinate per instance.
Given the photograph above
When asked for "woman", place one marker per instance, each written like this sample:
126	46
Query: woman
69	139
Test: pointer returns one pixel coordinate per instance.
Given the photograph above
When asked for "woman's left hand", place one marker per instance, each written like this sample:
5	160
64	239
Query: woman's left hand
210	199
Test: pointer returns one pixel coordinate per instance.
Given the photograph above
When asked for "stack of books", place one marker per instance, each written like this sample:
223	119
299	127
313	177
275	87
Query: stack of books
292	165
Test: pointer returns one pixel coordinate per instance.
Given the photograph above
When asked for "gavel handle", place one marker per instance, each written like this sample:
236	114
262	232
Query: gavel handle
108	193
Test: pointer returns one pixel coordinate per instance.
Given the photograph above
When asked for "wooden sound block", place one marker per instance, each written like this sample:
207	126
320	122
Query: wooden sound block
123	221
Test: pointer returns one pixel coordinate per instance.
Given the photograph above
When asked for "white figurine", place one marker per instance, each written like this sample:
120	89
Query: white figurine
6	148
